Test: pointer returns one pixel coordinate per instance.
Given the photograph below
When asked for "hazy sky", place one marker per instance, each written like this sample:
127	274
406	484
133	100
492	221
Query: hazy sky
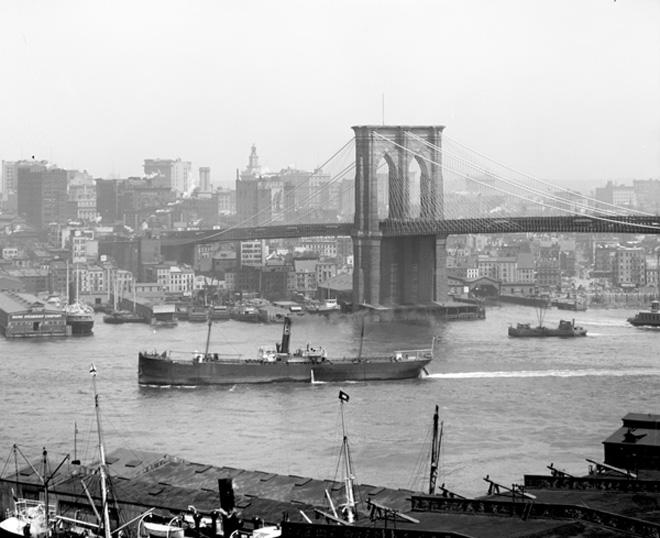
566	90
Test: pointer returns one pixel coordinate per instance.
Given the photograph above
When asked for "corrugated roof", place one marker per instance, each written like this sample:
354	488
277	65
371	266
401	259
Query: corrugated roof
172	484
12	301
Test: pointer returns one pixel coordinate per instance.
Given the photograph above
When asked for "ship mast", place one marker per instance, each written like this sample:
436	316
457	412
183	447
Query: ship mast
208	334
349	507
361	339
102	465
68	293
435	452
44	477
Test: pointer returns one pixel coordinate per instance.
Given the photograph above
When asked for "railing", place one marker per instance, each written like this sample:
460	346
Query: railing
536	510
591	483
311	530
395	227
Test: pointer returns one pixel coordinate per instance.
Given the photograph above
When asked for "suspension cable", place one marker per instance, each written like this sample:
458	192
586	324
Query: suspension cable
515	195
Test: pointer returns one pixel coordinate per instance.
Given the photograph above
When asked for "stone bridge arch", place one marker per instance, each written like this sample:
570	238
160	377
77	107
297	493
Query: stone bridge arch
398	270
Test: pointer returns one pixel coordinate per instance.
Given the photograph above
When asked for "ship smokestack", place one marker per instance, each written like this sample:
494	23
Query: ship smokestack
283	347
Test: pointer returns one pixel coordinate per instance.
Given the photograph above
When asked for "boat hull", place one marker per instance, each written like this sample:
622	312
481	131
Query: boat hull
542	332
118	317
12	527
159	530
575	307
81	326
650	324
154	370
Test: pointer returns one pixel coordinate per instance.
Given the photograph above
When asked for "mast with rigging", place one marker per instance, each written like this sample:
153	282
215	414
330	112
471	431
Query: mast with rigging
102	463
435	451
348	510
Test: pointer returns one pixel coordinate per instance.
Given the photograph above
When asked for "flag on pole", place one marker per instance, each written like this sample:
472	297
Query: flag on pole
92	369
343	396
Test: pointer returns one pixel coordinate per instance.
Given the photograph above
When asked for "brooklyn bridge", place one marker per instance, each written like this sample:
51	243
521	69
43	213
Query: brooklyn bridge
413	187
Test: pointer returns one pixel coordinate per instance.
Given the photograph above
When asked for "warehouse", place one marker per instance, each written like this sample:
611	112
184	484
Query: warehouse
25	316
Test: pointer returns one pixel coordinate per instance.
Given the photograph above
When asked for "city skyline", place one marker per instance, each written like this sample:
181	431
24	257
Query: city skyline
564	91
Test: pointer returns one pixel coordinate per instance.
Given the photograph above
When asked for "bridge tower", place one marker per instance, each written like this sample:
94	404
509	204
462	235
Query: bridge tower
392	264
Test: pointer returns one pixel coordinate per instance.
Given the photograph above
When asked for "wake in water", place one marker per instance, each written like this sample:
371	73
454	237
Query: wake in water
549	373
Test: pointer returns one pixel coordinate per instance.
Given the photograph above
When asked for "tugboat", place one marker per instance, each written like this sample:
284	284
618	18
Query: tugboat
647	318
565	328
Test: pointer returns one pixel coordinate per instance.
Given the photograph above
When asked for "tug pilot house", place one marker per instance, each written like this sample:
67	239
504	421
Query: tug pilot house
25	316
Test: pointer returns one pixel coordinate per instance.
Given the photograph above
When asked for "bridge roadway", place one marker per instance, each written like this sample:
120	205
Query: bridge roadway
393	228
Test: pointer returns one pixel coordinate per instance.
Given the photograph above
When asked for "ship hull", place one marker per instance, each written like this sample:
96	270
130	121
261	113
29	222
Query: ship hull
116	319
81	327
153	370
649	324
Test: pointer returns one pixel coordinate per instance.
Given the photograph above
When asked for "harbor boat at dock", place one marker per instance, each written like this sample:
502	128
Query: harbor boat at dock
245	313
219	312
647	318
275	364
122	316
576	305
164	315
198	314
80	319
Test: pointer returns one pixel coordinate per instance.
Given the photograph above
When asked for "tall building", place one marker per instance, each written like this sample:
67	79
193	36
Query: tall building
226	201
616	194
305	191
647	193
82	192
9	172
253	170
253	252
259	198
10	175
42	194
629	267
205	179
131	200
107	200
172	173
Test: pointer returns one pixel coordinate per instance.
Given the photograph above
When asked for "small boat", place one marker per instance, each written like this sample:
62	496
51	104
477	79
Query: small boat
219	312
245	313
565	329
647	318
576	305
329	305
122	316
153	529
164	315
276	363
28	519
198	314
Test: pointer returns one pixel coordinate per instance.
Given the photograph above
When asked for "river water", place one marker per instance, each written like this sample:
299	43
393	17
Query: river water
509	406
